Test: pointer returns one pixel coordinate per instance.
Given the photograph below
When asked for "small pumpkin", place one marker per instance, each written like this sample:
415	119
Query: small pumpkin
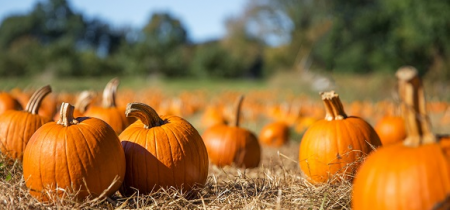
17	126
391	129
334	145
84	99
161	152
229	145
8	102
413	174
81	155
109	112
275	134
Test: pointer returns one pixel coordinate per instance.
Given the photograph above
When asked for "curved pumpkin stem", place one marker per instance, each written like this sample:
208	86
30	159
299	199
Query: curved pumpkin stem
417	123
66	115
83	100
238	110
145	113
109	94
36	99
334	110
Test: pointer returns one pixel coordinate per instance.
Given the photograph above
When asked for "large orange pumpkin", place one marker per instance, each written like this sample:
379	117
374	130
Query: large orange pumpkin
7	102
162	151
413	174
229	145
335	144
17	127
109	112
81	155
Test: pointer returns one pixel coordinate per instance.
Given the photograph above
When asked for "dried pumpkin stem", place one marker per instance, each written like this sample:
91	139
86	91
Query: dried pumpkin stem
83	100
238	111
109	94
145	113
417	123
36	99
334	110
66	115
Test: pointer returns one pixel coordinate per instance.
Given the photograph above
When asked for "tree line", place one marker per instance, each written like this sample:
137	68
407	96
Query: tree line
340	36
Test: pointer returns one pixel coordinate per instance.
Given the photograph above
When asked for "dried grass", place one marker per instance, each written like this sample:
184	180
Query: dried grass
276	184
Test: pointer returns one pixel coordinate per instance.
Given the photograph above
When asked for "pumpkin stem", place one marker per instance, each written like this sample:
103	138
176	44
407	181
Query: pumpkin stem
413	106
83	100
334	110
238	110
66	115
109	94
145	113
36	99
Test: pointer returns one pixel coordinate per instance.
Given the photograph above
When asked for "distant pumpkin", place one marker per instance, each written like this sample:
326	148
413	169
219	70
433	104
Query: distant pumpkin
109	112
8	102
228	145
391	129
275	134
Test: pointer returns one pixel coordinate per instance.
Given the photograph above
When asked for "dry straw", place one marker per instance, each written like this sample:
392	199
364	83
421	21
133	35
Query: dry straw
276	184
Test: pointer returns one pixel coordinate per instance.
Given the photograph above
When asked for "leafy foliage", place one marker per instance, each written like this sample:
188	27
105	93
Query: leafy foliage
268	36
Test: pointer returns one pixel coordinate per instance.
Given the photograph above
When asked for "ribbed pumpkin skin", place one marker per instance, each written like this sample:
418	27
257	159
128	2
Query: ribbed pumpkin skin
64	156
275	134
16	129
400	177
229	145
114	116
172	154
391	130
7	102
328	146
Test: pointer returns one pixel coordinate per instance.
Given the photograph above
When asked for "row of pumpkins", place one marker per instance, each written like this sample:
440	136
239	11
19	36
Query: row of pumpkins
98	157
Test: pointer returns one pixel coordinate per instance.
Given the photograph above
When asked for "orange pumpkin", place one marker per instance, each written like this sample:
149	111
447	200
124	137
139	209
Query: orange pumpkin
335	144
229	145
213	116
81	155
7	102
391	129
413	174
275	134
48	105
17	127
109	112
162	151
84	99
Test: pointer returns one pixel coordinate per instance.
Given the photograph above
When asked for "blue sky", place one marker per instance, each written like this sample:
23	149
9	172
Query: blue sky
204	19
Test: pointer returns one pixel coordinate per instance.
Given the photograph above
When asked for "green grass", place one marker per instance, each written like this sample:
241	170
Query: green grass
372	87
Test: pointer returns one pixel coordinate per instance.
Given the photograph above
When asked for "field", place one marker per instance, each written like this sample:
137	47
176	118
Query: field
277	183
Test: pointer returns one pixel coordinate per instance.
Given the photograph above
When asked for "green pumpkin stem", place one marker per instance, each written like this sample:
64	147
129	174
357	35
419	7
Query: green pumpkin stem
109	94
83	100
238	110
413	106
35	101
334	110
145	113
66	115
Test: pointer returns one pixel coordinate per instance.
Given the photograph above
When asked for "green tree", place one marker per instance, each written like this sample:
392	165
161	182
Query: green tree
383	35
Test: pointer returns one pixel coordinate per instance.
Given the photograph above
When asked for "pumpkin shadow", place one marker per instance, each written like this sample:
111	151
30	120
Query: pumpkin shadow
146	175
